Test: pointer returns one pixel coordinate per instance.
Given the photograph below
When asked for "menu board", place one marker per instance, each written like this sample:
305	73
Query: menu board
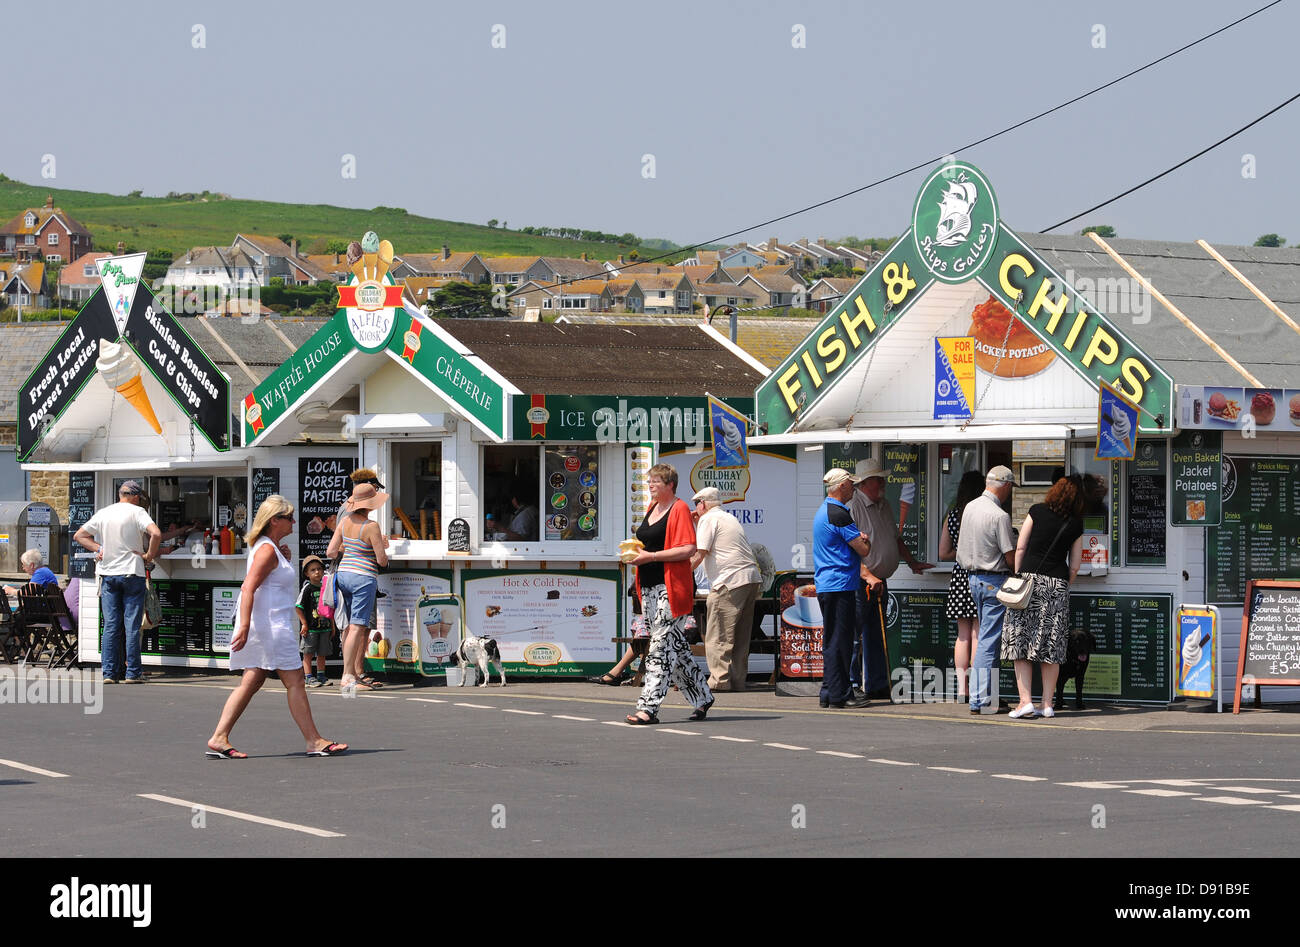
323	484
1260	534
266	481
918	630
81	507
551	623
1133	632
1197	461
407	635
185	629
1145	544
458	536
906	485
572	490
1270	636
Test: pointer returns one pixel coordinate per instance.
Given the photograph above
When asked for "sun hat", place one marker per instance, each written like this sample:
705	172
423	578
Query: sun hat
366	497
310	559
866	469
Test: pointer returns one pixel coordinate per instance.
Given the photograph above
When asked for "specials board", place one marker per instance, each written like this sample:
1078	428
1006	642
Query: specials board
1147	494
1270	636
266	482
1260	534
323	485
81	507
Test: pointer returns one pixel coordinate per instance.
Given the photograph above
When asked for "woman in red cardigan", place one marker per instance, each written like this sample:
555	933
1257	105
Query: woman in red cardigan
667	589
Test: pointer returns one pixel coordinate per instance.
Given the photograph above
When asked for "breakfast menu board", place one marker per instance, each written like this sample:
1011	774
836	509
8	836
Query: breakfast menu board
917	630
323	484
1260	534
572	490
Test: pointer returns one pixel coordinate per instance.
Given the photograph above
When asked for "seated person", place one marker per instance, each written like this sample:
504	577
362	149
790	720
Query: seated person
524	520
33	563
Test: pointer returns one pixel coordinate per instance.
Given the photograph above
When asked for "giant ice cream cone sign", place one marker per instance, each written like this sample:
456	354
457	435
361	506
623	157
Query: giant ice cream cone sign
121	372
371	299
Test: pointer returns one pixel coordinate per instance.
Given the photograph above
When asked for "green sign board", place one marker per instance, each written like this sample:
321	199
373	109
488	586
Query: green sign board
1260	534
906	485
1197	461
610	419
299	373
957	210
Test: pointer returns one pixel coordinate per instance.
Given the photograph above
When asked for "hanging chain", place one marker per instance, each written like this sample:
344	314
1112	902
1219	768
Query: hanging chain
192	438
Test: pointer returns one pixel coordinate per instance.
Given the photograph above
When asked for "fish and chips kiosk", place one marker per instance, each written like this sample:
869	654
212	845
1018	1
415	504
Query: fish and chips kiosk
515	456
968	345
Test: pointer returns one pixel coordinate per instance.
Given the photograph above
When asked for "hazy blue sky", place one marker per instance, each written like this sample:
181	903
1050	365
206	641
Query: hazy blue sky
552	128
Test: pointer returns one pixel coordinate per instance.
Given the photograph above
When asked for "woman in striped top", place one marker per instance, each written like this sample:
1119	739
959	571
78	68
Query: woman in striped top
364	552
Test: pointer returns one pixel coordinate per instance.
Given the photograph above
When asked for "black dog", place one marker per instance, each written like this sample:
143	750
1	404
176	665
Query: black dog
1080	646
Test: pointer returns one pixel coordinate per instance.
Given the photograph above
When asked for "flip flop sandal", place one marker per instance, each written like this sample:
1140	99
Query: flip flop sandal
638	721
332	749
229	753
368	681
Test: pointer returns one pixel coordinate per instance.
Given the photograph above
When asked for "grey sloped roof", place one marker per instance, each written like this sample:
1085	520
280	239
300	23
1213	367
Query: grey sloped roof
23	345
1211	297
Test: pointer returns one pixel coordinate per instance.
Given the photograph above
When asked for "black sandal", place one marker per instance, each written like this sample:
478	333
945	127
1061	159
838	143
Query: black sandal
702	712
607	679
638	721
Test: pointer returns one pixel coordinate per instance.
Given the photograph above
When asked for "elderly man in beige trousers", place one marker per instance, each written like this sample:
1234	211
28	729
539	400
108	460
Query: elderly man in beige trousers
734	578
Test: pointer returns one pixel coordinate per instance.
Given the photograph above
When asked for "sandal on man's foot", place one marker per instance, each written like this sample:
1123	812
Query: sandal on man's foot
701	712
229	753
329	749
638	721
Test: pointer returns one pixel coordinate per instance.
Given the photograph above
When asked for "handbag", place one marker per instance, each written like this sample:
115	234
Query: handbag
152	616
1019	589
328	597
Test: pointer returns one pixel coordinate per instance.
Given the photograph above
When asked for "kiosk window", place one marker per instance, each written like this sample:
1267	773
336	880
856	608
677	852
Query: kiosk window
512	490
415	482
954	461
546	493
1099	511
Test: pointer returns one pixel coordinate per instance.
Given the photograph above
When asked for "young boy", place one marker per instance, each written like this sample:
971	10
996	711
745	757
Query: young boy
314	632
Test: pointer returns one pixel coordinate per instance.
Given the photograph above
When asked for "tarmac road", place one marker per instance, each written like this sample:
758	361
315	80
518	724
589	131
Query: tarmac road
549	769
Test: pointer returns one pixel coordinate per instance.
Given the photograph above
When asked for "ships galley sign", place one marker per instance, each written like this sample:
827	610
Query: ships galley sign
370	299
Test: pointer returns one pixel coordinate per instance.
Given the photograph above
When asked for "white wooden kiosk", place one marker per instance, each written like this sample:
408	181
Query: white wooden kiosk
463	418
883	374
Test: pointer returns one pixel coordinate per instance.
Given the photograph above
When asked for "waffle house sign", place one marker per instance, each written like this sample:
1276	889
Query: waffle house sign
956	235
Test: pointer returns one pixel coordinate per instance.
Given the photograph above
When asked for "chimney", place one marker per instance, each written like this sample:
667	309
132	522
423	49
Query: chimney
620	259
584	256
823	241
446	252
49	200
121	248
293	247
336	259
771	243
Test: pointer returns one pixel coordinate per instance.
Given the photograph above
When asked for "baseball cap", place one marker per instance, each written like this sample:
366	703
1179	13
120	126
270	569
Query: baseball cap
1001	474
131	488
708	495
836	476
867	469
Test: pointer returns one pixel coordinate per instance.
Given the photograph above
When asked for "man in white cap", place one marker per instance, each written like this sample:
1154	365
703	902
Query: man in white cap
116	535
875	519
986	550
733	577
838	548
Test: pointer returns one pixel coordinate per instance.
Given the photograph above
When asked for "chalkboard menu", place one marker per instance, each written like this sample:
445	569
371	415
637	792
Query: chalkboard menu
323	485
266	481
1260	534
81	507
1146	505
1131	662
458	536
1270	636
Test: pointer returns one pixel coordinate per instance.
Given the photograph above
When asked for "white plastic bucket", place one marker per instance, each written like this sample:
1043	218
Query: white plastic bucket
454	676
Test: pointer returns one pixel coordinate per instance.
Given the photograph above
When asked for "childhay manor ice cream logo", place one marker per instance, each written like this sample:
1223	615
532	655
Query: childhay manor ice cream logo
955	222
371	299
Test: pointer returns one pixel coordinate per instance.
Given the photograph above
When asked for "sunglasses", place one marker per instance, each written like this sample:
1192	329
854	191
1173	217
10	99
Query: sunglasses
283	516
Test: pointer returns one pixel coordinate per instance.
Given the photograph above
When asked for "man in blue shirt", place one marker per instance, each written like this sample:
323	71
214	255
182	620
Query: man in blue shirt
838	549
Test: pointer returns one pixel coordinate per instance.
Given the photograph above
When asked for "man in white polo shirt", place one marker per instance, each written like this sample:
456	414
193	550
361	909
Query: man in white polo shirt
116	535
986	550
734	576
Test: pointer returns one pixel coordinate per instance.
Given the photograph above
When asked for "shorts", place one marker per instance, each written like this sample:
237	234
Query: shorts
316	643
358	593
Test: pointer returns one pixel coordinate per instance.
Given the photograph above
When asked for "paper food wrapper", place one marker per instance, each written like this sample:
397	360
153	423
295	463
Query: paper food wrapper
628	549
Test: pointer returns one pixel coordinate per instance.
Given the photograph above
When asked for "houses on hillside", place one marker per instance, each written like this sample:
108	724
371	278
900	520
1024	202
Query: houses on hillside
44	233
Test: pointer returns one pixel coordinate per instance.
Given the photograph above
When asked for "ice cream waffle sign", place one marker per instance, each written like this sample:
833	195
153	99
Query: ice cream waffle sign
371	298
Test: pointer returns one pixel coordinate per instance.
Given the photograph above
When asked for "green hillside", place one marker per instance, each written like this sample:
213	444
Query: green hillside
159	223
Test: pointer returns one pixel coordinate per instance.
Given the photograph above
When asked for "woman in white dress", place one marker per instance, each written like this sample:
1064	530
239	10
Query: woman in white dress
266	633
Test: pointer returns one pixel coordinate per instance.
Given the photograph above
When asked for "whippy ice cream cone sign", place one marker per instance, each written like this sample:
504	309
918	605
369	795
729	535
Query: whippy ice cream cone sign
124	334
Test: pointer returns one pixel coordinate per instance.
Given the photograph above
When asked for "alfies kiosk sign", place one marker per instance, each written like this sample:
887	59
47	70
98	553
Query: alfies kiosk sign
371	300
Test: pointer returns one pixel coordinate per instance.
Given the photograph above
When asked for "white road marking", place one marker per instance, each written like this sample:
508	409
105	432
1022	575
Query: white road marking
685	733
427	700
1232	800
477	706
1287	808
1247	789
34	769
953	769
620	723
1096	785
247	817
380	696
785	746
567	717
847	756
893	762
530	713
1023	779
1291	797
1195	783
1163	793
732	739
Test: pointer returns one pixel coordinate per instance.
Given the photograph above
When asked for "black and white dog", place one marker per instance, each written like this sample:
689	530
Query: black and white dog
479	652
